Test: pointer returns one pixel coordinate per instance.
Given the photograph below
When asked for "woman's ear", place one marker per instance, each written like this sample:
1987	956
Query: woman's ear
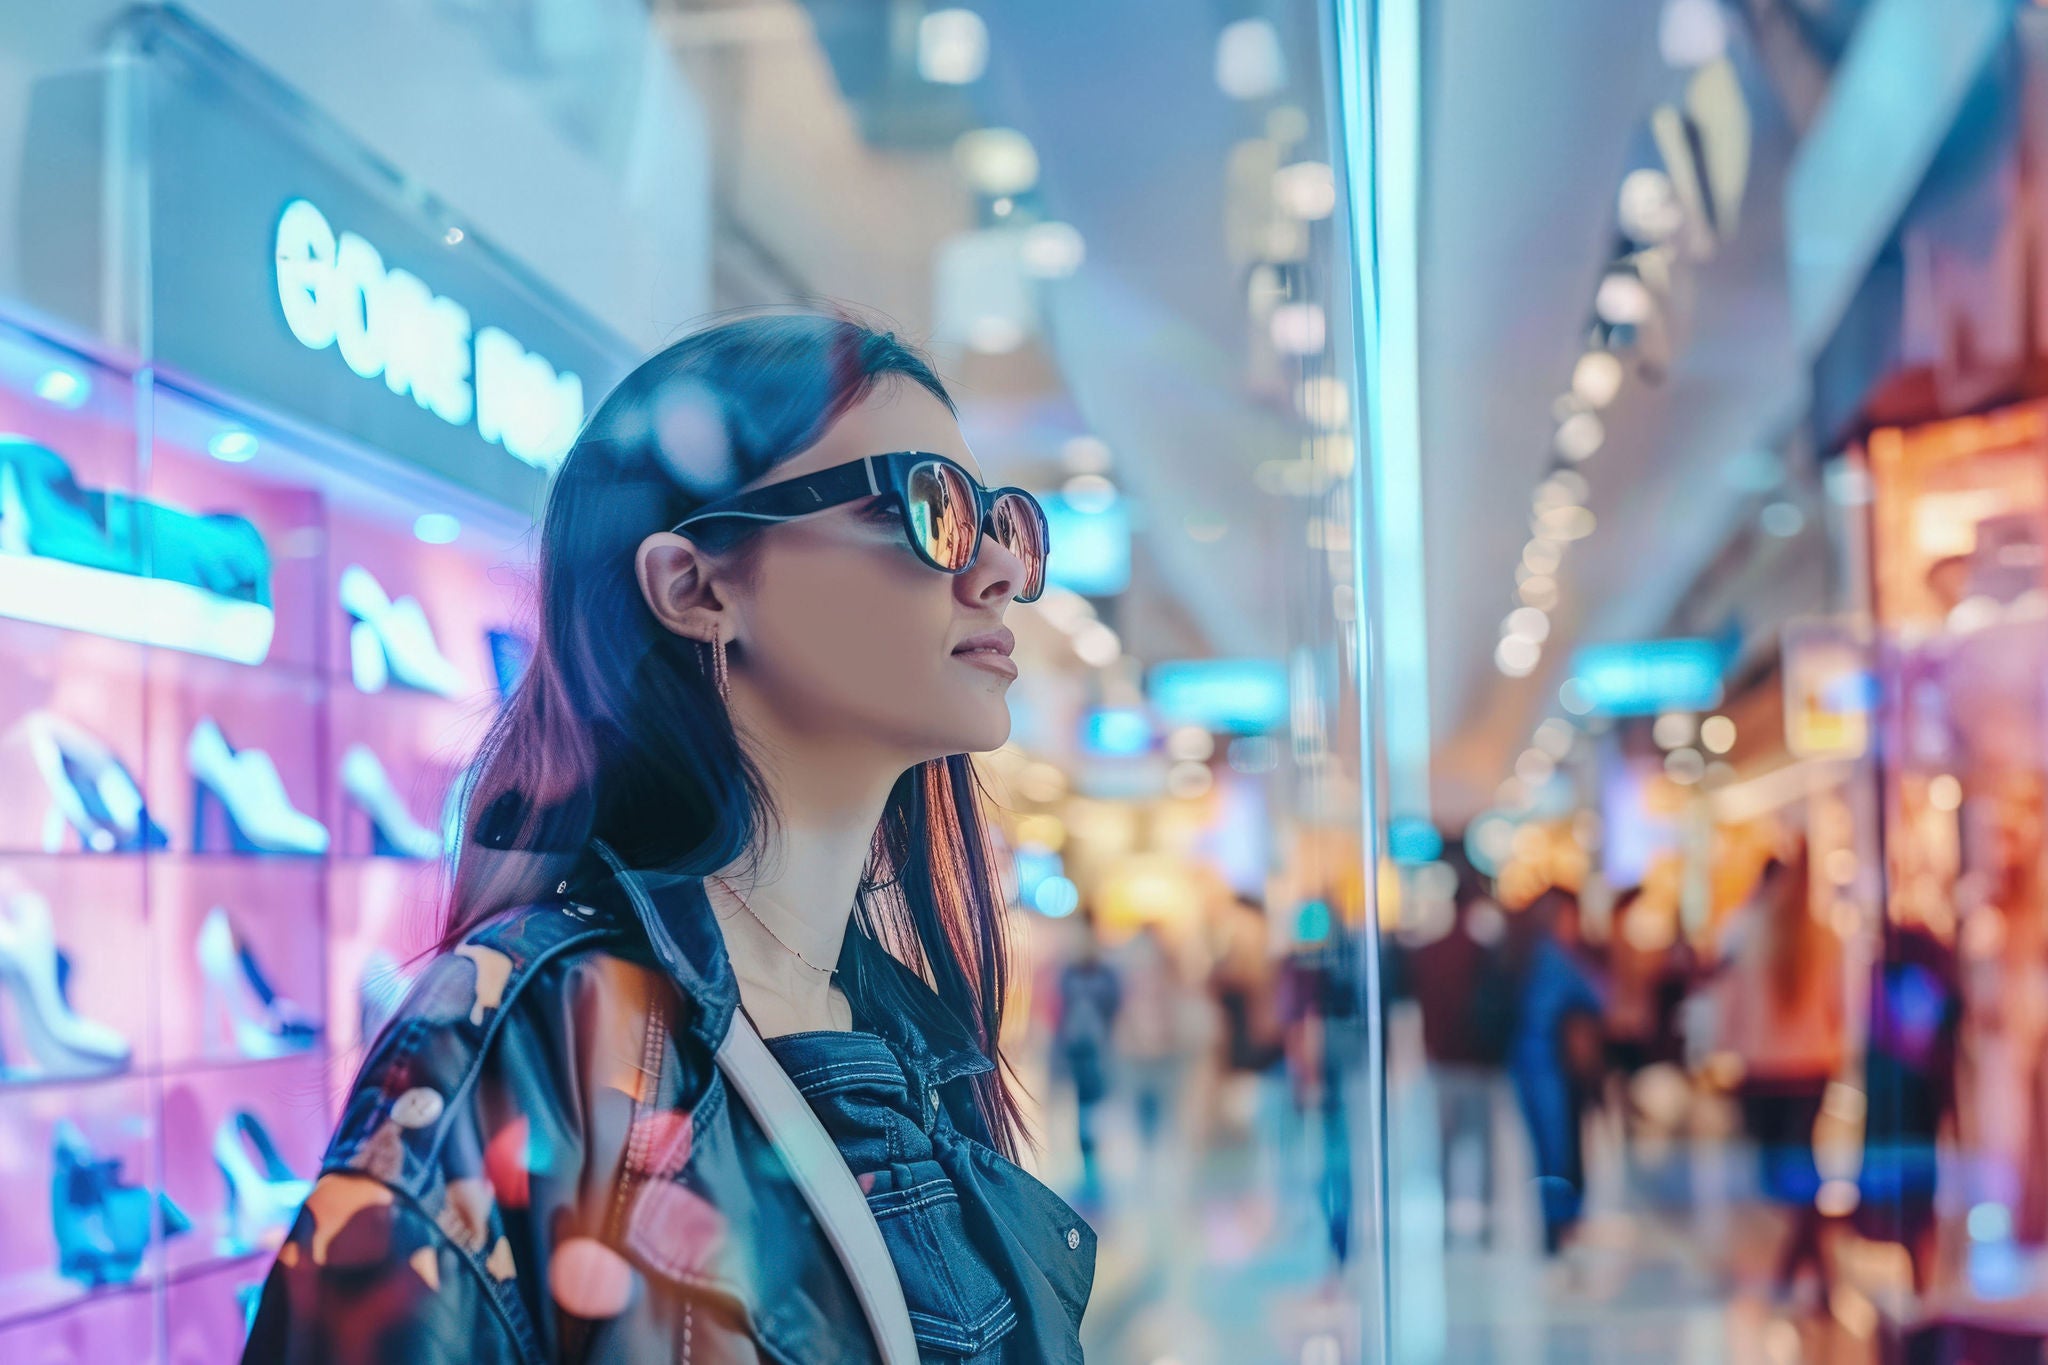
676	581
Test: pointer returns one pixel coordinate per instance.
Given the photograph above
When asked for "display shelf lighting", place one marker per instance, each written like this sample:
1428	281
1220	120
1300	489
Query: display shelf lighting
1717	734
1517	656
67	388
436	528
232	446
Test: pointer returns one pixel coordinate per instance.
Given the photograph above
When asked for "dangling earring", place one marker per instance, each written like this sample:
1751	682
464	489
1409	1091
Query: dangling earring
719	677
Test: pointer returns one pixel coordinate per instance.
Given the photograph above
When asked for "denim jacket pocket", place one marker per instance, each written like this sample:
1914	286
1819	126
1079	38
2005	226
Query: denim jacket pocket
957	1307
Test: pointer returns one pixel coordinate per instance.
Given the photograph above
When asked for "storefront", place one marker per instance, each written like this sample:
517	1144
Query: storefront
278	422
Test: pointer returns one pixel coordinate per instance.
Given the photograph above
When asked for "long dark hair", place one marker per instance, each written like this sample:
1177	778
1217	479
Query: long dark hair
617	731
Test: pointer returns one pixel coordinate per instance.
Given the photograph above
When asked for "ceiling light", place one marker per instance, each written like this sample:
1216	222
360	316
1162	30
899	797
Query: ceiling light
1648	206
1541	556
997	160
1783	520
1527	623
1326	402
1097	645
1539	591
1052	251
995	335
1085	455
1596	379
1691	33
1517	656
1579	435
1249	64
1298	329
1307	189
1623	299
1089	493
952	46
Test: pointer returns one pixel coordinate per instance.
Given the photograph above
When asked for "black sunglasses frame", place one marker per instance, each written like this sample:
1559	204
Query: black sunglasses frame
871	476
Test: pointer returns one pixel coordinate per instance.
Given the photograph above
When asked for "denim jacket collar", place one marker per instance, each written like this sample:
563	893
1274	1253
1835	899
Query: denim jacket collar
675	915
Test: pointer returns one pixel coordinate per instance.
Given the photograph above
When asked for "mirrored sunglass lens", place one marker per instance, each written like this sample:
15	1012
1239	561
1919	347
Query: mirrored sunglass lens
941	515
1021	529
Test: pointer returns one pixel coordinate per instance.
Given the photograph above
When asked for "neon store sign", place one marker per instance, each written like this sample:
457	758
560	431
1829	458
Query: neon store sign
388	323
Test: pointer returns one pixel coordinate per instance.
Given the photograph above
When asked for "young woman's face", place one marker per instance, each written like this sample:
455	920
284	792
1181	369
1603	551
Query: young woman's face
845	635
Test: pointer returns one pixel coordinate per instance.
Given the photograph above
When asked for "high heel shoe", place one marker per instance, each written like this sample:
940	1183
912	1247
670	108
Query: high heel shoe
245	784
394	833
241	1008
401	628
103	1226
33	971
93	791
263	1194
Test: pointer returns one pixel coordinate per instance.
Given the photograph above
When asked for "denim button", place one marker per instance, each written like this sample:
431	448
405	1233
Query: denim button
1073	1239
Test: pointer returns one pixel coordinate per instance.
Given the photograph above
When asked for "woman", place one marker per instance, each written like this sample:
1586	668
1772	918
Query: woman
731	795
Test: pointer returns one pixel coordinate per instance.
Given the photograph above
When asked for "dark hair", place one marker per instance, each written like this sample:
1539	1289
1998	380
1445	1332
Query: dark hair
617	731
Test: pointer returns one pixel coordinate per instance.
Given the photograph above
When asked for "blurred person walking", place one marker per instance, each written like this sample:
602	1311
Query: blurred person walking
1466	994
1554	1053
1151	1034
1780	1006
1090	996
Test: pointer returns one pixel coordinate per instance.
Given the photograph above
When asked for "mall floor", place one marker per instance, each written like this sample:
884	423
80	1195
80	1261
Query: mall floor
1214	1250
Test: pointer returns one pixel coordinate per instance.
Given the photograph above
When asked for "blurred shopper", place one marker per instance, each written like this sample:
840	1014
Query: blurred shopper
1466	994
2002	944
1781	1013
1245	986
1648	970
1909	1082
1554	1054
724	853
1089	998
1151	1026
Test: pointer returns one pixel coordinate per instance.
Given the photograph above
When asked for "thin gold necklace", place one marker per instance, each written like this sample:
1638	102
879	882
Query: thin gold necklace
779	940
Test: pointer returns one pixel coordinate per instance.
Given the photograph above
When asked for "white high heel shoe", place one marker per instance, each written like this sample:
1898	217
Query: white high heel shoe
242	1010
402	629
62	1043
263	1194
261	817
396	832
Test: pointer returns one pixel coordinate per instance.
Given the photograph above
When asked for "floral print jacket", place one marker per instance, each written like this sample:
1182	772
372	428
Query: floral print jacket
540	1163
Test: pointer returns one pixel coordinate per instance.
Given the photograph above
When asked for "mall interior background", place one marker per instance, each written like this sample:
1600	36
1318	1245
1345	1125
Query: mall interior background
1540	709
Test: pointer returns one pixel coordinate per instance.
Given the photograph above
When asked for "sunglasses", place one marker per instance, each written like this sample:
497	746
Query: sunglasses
945	511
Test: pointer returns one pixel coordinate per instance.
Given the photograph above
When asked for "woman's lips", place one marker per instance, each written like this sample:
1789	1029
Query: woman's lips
990	650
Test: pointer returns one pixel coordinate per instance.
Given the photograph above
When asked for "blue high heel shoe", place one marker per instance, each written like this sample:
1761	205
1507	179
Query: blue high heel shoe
251	796
103	1226
94	791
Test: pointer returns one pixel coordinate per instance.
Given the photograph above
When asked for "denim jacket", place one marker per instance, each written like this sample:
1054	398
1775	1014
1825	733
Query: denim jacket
540	1163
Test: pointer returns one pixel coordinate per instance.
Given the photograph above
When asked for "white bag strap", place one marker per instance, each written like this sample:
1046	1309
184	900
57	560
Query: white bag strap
828	1185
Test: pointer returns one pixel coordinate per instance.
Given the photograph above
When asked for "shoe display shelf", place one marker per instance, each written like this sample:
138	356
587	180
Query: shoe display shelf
240	682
